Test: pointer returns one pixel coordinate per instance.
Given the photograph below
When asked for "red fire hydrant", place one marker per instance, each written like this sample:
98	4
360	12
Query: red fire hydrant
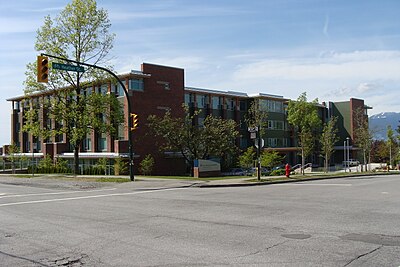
287	170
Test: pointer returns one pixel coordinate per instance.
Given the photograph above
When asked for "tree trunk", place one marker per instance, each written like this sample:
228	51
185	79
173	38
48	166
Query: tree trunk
303	160
76	160
326	163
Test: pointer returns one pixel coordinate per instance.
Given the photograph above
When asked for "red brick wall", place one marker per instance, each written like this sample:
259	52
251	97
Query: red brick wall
153	101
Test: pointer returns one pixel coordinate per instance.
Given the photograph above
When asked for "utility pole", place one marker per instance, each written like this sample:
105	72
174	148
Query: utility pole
348	152
130	145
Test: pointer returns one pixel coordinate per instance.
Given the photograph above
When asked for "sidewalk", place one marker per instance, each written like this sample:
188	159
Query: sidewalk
150	183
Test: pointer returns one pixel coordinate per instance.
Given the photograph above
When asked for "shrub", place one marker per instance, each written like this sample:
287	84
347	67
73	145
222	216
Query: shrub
120	166
147	164
277	172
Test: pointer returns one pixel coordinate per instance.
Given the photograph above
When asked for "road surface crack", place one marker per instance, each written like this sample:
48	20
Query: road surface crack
362	255
262	250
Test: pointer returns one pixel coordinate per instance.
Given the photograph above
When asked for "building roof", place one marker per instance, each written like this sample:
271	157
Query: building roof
233	93
133	73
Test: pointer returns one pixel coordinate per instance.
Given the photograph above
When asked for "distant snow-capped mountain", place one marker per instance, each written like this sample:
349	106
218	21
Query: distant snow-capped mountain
378	123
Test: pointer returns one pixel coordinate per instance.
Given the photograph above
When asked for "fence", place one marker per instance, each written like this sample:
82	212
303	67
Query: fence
25	166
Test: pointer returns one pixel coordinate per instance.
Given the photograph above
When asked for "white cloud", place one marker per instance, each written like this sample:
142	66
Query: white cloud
18	25
165	11
368	87
337	66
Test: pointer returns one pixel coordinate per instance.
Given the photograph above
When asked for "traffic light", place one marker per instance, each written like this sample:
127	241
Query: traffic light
135	121
42	69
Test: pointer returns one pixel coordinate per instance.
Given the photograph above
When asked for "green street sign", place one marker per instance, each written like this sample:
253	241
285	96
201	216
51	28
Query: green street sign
67	67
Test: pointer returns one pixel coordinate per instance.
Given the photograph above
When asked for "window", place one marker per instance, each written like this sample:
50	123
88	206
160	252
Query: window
166	85
102	144
189	99
118	89
216	102
103	89
136	84
271	106
121	131
275	125
230	104
277	142
242	105
87	144
59	138
200	122
17	105
200	100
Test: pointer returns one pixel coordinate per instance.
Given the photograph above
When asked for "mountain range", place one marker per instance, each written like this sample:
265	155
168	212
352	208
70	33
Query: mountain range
378	123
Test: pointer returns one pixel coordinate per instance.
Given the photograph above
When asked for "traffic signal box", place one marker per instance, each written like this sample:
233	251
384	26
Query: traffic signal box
42	69
135	121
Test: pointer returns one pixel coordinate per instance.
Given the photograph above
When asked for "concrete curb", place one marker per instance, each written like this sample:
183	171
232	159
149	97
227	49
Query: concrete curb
211	185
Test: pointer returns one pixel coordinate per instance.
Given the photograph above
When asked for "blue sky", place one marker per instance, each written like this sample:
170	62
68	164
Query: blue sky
333	50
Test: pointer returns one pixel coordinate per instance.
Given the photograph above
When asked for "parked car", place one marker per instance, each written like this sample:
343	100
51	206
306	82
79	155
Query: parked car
280	167
351	162
238	172
253	171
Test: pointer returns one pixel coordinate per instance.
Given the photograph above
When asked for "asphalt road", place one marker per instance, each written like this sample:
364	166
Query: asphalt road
338	222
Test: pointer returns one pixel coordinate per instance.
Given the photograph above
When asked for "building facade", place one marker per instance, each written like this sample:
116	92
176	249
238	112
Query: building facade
347	114
152	91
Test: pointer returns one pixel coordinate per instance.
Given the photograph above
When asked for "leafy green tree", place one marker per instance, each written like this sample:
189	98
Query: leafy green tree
216	137
362	134
328	139
61	165
256	118
101	166
46	165
246	159
270	159
379	151
81	33
13	155
147	164
303	116
392	145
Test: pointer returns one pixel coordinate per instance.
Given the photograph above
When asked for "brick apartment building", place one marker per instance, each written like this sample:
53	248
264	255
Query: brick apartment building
155	89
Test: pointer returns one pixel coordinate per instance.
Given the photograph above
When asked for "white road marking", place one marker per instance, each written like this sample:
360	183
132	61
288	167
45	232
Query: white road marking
385	192
2	194
55	193
86	197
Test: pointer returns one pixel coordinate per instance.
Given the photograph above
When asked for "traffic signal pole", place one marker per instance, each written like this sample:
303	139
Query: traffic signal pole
131	174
